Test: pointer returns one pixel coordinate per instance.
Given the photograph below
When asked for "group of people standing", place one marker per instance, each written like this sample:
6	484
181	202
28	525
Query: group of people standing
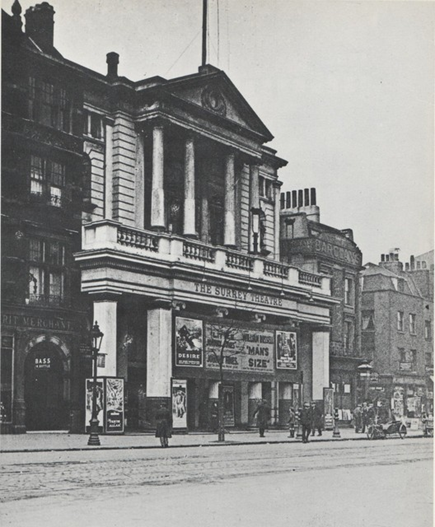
310	418
365	414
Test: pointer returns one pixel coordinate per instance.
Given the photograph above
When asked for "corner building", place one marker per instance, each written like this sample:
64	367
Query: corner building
184	242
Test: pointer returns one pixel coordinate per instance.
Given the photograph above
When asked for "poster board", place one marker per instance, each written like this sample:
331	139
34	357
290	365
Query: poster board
179	404
286	350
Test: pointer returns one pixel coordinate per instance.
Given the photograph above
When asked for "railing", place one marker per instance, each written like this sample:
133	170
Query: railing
275	269
141	240
198	252
310	279
239	261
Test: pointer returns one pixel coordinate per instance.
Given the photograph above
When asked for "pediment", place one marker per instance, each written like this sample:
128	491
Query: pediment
216	94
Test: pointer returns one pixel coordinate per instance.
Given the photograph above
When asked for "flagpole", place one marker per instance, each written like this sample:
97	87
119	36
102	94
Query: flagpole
204	32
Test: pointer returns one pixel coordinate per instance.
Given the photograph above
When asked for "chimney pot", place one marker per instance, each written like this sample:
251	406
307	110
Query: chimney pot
112	60
382	257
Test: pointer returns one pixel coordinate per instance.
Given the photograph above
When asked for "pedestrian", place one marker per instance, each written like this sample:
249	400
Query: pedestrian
163	428
357	416
306	420
291	421
214	416
316	419
263	414
364	416
371	415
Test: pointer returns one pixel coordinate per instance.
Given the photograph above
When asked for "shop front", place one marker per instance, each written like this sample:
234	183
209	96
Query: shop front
36	354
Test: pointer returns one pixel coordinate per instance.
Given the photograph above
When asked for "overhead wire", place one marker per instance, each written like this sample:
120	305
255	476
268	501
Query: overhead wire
183	52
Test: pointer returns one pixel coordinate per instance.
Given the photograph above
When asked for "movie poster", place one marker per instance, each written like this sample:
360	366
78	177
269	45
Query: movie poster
100	402
179	403
114	405
228	404
286	350
188	342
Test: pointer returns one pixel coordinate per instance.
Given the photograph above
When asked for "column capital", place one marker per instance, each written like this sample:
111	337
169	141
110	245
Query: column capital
105	297
161	303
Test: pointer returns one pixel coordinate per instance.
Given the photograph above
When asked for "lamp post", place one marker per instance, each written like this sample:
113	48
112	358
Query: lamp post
336	430
255	228
97	338
365	370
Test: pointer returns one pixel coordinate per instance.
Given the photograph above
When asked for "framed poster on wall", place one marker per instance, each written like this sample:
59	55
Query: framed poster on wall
179	403
286	350
228	404
188	342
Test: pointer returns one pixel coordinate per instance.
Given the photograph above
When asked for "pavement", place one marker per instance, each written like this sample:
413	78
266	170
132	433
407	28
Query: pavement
63	441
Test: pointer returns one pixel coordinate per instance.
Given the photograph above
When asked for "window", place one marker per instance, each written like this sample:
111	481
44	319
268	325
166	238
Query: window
7	377
348	336
407	360
368	323
400	321
348	291
428	359
265	188
46	272
47	178
49	104
93	125
412	325
427	329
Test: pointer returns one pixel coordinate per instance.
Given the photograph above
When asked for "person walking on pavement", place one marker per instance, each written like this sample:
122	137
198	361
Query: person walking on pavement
291	421
357	415
317	419
364	416
263	414
306	419
163	422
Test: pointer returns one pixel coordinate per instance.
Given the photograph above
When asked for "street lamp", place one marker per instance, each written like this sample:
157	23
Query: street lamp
255	228
365	370
97	338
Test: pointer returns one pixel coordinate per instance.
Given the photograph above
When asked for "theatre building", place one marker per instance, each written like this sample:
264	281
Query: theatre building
318	248
179	253
181	256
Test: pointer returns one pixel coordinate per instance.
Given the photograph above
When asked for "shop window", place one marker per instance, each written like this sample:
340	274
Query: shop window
47	179
47	272
7	378
49	104
427	329
400	321
412	324
93	125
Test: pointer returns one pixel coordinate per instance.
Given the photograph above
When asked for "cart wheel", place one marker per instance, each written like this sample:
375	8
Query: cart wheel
402	431
370	432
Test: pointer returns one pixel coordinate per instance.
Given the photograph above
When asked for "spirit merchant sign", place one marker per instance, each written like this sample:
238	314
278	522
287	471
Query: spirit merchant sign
36	322
230	293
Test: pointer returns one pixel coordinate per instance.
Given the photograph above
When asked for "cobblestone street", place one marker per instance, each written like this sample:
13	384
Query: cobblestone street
111	487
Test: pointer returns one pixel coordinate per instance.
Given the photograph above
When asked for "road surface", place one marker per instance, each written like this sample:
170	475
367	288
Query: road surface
353	483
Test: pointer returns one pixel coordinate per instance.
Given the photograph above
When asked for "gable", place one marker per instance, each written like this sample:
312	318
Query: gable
216	94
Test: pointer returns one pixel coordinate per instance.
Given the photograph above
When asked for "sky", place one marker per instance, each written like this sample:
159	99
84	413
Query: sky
345	87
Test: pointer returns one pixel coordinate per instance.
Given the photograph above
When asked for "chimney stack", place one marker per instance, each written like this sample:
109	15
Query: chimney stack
112	60
382	257
412	262
406	266
40	25
302	200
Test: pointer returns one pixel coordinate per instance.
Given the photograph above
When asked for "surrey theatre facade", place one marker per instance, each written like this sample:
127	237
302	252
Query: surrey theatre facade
180	256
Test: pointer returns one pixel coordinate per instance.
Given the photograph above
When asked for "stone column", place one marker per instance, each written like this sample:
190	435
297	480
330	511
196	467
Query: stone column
159	359
254	187
189	189
105	313
139	191
108	172
157	191
277	222
230	223
320	344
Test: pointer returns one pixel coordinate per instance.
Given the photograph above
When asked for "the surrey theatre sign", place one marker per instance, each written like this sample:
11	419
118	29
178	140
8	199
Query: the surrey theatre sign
232	293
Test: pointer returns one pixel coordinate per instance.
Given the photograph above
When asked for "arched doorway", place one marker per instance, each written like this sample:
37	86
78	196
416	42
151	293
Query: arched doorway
46	408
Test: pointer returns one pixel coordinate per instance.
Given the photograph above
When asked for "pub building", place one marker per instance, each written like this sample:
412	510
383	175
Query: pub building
319	248
180	252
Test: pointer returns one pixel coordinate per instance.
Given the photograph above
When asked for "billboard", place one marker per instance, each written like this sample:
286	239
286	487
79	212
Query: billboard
110	404
188	342
286	350
240	349
179	403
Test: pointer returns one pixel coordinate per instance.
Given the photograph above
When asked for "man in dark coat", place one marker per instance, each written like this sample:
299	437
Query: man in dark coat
317	422
163	428
263	414
306	418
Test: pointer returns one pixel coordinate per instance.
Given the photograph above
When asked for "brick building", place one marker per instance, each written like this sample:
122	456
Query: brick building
397	331
178	194
319	248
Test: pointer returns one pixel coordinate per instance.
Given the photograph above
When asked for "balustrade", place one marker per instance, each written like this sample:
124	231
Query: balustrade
141	240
